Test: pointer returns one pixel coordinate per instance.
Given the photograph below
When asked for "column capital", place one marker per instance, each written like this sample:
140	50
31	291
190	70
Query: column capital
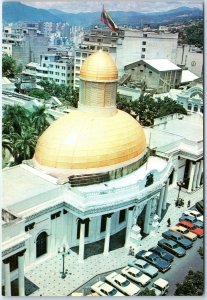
83	221
6	260
21	253
109	215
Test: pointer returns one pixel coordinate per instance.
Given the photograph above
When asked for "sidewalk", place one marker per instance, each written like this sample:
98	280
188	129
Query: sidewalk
46	278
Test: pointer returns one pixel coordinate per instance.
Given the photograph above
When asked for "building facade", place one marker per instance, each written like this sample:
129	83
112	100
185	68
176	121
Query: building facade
159	75
52	67
92	176
192	99
25	44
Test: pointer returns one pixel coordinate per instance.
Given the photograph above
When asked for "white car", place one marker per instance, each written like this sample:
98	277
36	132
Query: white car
105	289
194	213
123	284
160	286
136	275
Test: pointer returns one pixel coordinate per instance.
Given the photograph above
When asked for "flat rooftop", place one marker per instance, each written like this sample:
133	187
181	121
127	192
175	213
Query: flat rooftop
19	185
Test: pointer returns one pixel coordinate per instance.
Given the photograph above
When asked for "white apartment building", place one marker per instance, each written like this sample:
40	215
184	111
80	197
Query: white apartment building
52	67
190	57
126	46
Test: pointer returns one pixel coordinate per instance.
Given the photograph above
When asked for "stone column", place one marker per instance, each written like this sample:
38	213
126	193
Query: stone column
165	195
21	273
159	209
192	172
7	279
107	236
198	183
129	225
82	240
195	175
147	217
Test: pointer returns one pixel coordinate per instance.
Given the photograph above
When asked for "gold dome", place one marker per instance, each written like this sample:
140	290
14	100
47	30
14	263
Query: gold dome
81	140
100	66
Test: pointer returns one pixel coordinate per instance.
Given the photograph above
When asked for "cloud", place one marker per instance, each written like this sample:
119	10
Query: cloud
124	5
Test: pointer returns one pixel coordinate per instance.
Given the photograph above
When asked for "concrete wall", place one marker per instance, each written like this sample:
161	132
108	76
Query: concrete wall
192	60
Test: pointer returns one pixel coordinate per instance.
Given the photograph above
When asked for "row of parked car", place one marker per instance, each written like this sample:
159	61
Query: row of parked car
147	263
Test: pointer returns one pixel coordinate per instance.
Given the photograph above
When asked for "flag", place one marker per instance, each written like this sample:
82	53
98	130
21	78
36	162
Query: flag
106	19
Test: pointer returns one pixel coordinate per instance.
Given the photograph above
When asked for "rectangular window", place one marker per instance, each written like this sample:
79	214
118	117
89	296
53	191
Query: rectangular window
143	43
103	223
145	35
142	56
122	215
143	49
84	54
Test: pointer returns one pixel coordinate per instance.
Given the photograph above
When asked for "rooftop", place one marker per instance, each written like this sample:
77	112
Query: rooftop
188	76
161	64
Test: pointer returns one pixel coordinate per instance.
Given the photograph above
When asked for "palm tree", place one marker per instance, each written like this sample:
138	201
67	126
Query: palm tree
41	119
14	117
24	144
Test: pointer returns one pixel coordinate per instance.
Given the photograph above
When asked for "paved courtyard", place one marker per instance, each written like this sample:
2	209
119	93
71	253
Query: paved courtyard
45	279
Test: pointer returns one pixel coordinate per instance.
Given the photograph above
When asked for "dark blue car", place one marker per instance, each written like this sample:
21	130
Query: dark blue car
172	247
162	253
178	238
154	259
192	220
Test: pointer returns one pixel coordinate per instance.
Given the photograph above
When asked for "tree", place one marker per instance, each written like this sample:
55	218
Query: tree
194	34
147	292
41	119
21	129
40	94
123	104
23	144
66	94
9	66
14	117
201	252
193	285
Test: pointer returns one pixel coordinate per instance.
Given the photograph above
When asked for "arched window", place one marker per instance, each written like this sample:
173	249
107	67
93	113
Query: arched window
41	244
195	107
189	106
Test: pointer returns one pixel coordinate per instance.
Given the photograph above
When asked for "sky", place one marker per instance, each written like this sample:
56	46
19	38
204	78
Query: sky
76	6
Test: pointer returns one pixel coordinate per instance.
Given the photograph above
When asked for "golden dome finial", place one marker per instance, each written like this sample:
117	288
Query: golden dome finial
100	66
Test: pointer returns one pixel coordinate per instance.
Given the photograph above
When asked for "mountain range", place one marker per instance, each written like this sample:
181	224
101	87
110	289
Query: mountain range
17	12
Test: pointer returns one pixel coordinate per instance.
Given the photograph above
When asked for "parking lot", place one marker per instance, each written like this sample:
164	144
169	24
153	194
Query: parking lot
177	273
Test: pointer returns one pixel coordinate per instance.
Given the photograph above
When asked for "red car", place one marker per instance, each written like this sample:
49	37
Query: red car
191	227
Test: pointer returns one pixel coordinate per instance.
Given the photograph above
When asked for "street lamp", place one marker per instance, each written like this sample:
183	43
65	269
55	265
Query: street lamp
180	185
64	252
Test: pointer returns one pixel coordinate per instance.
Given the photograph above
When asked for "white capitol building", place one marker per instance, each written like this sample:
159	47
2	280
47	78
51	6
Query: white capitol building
94	173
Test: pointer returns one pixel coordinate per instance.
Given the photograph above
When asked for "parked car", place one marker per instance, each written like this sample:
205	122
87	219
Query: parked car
185	232
199	206
177	237
160	286
162	253
105	289
191	227
136	275
192	220
172	247
196	214
154	259
143	266
123	284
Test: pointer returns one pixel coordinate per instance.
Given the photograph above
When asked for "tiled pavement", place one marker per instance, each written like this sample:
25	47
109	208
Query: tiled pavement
47	278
